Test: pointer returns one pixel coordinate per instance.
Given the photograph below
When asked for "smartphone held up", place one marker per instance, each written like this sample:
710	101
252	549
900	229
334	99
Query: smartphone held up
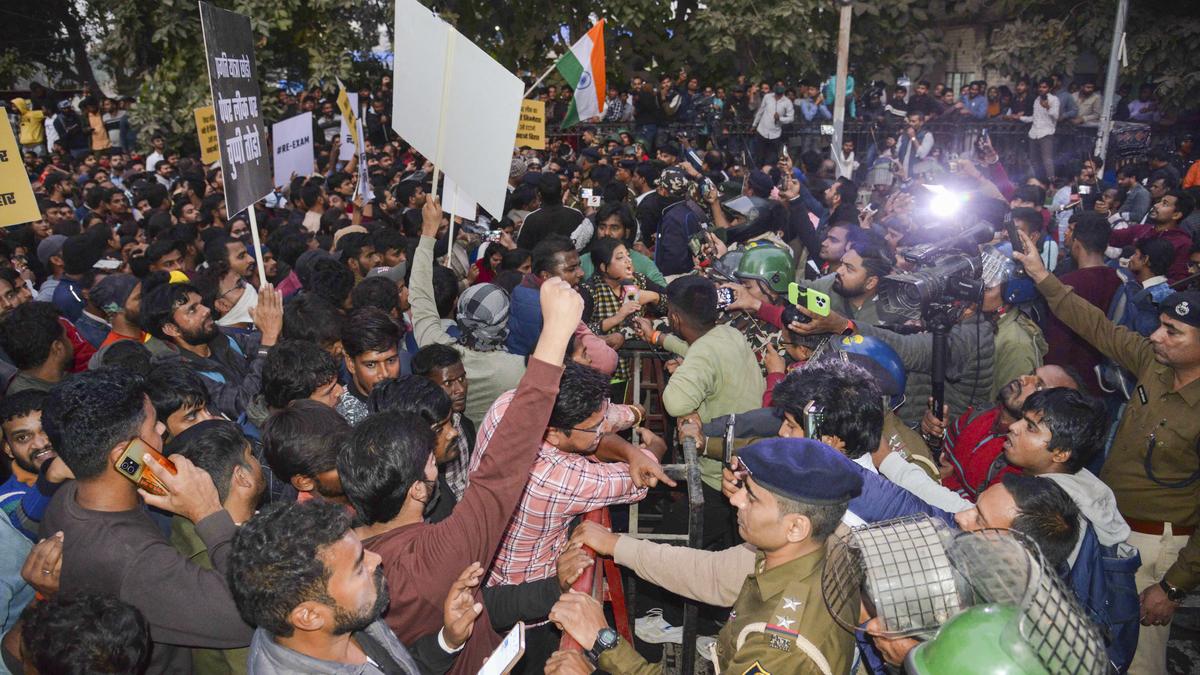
133	466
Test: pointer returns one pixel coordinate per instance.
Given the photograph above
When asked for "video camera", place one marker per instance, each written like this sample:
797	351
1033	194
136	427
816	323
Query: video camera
948	276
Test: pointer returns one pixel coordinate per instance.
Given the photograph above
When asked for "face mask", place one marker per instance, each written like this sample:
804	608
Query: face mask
240	312
779	91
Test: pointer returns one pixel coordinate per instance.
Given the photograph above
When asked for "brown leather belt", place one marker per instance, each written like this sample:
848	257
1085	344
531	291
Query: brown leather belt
1155	527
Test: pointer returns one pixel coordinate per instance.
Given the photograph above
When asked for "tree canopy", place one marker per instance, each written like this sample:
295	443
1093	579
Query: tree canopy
154	51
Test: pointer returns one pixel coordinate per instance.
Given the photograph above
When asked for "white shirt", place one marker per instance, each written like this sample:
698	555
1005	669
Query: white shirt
764	119
153	160
51	132
1062	218
913	479
846	166
1154	281
1044	119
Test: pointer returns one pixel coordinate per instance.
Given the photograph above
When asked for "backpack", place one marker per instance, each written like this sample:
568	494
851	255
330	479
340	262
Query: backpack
1122	311
1103	582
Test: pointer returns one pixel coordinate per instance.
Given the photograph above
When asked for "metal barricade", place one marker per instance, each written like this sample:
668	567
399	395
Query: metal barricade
603	579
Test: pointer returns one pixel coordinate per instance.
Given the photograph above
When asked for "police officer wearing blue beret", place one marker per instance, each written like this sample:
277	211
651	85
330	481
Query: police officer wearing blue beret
791	496
1152	466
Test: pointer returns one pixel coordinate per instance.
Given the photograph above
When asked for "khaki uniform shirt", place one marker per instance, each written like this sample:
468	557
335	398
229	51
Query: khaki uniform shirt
772	609
909	445
1158	417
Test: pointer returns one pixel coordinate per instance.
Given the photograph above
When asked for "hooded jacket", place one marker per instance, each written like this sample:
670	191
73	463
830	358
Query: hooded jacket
1097	503
33	129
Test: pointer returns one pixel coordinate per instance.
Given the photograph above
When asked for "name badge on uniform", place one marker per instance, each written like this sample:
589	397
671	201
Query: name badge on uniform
781	633
1141	392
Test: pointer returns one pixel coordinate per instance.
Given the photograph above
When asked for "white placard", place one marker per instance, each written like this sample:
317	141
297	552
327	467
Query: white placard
420	59
292	141
455	200
437	69
364	178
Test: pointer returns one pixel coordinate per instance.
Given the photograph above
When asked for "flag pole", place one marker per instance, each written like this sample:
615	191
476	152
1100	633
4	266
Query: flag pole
437	159
539	80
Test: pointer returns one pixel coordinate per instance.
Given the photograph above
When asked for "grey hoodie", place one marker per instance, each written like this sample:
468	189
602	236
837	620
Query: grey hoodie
1098	505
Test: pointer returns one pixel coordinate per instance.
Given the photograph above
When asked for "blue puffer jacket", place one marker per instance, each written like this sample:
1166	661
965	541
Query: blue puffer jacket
524	319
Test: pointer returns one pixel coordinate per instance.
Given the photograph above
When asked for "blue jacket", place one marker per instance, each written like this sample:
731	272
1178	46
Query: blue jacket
92	330
679	222
524	318
883	500
68	298
24	505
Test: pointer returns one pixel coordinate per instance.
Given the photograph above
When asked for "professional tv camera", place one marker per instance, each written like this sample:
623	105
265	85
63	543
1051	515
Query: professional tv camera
947	279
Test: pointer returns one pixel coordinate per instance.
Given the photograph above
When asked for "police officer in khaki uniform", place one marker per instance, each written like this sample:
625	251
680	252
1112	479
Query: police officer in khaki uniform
1153	466
790	499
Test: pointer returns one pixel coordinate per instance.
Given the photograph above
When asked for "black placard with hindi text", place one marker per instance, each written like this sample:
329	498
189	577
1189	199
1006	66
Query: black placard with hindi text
233	81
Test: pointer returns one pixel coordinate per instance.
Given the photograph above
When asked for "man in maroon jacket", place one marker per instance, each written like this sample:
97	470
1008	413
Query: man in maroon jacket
1094	281
1163	222
421	561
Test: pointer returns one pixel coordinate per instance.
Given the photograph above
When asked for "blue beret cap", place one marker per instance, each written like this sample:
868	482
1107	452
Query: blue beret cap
802	469
1183	306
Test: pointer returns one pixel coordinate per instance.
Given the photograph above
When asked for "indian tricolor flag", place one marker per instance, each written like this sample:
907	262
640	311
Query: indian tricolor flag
583	69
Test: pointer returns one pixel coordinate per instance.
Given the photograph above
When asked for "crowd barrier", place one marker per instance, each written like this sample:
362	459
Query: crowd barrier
1128	142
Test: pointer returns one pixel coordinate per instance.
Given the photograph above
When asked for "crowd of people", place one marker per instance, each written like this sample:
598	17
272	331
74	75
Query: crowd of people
771	111
372	454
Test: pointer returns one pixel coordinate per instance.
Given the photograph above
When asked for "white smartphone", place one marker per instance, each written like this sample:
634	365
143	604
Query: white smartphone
507	654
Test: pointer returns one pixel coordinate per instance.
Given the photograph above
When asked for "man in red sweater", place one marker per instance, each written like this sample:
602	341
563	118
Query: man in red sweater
972	455
421	561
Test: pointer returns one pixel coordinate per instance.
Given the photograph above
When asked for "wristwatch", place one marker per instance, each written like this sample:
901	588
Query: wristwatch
606	639
1173	594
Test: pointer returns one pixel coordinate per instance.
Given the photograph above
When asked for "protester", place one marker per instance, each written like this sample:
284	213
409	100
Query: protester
303	578
301	444
85	633
371	340
23	497
33	337
93	420
231	364
410	383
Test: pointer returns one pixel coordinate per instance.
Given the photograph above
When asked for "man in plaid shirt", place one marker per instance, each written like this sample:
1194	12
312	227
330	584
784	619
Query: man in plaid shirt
566	481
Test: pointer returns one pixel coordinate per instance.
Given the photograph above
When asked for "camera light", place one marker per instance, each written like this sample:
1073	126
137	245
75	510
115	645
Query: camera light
944	203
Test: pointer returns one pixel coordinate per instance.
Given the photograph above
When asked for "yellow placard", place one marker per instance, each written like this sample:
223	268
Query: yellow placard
17	204
531	127
348	113
206	130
